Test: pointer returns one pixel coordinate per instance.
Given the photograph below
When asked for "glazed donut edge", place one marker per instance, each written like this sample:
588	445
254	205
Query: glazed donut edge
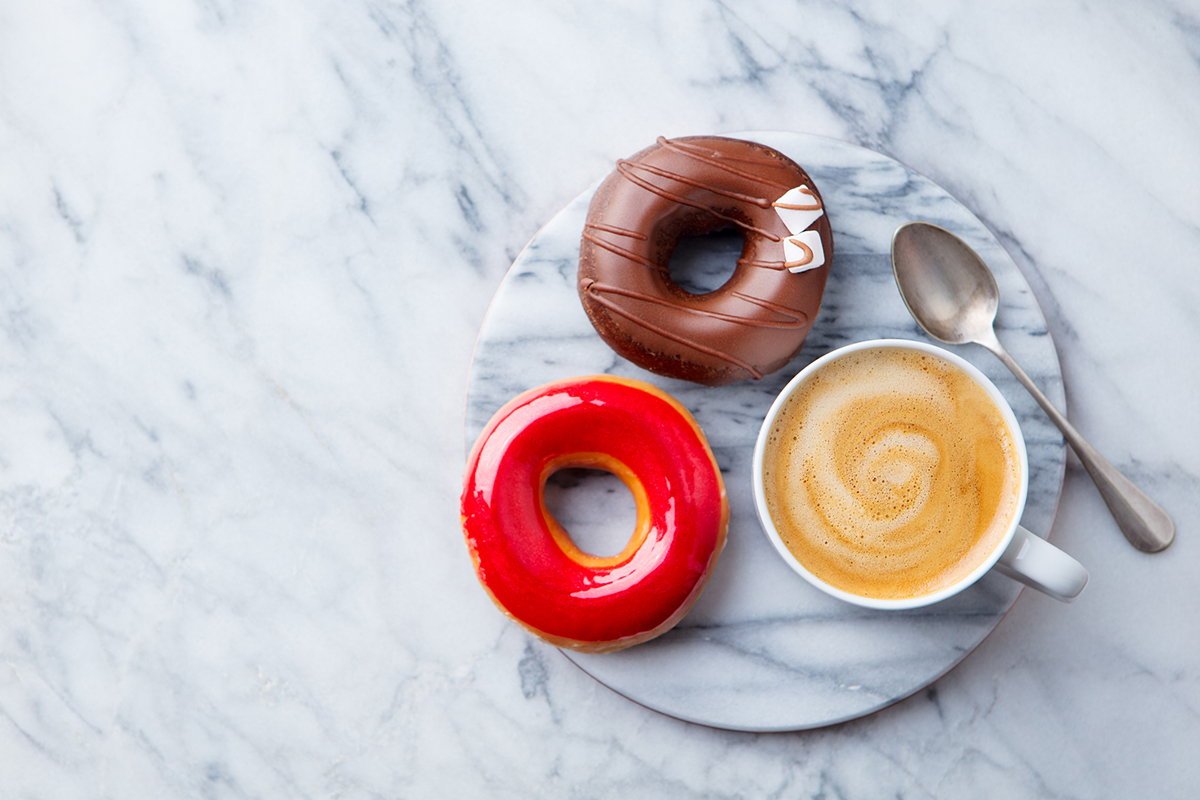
536	581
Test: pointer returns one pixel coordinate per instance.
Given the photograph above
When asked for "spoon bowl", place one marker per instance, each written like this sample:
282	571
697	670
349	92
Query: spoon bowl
953	296
945	284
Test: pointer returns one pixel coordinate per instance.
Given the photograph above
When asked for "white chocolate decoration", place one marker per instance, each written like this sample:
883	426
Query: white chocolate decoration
798	208
803	251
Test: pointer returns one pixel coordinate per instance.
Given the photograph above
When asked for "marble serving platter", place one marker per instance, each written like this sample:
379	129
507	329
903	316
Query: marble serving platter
762	650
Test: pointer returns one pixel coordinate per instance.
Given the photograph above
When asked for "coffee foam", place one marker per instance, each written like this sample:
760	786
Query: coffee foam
891	473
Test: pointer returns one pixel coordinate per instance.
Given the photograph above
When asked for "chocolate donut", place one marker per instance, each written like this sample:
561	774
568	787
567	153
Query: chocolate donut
757	321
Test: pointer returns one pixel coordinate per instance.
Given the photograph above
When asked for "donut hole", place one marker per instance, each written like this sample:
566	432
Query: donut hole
594	507
705	262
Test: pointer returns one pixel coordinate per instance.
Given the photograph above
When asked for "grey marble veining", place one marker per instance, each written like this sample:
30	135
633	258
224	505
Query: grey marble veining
247	250
762	650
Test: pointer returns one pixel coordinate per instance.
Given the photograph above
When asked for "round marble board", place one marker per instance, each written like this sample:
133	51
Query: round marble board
762	650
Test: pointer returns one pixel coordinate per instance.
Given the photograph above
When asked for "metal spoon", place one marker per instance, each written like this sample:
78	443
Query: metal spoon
953	296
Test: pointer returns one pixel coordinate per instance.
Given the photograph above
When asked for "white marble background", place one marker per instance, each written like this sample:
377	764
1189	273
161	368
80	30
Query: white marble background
245	249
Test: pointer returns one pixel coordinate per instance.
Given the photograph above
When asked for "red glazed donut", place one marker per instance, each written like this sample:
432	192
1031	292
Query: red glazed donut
528	563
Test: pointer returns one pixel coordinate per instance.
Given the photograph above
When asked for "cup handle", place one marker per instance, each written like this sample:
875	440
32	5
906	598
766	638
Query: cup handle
1035	562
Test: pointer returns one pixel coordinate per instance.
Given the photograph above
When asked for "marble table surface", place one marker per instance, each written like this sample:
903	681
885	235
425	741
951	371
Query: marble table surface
245	253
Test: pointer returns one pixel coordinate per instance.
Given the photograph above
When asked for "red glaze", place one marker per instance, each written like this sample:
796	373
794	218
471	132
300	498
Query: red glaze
529	565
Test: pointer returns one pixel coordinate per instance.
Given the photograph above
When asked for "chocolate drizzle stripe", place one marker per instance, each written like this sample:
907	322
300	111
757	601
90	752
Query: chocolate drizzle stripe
717	160
623	167
683	340
600	226
793	318
761	202
800	317
778	266
623	253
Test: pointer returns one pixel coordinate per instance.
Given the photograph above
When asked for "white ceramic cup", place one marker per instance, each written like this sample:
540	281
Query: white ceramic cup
1020	555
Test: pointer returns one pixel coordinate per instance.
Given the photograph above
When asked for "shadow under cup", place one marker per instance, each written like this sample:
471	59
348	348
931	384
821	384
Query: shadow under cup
967	569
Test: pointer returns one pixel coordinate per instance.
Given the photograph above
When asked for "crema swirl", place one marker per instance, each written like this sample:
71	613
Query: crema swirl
890	473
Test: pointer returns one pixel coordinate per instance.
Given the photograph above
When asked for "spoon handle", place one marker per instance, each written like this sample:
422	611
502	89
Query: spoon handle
1144	523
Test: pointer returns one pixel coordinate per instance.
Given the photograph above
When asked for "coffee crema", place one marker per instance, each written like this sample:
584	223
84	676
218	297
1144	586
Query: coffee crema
891	473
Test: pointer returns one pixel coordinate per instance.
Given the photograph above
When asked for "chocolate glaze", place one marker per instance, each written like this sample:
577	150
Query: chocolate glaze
749	327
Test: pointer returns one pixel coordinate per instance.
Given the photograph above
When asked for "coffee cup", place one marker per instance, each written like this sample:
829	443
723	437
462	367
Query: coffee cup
892	474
